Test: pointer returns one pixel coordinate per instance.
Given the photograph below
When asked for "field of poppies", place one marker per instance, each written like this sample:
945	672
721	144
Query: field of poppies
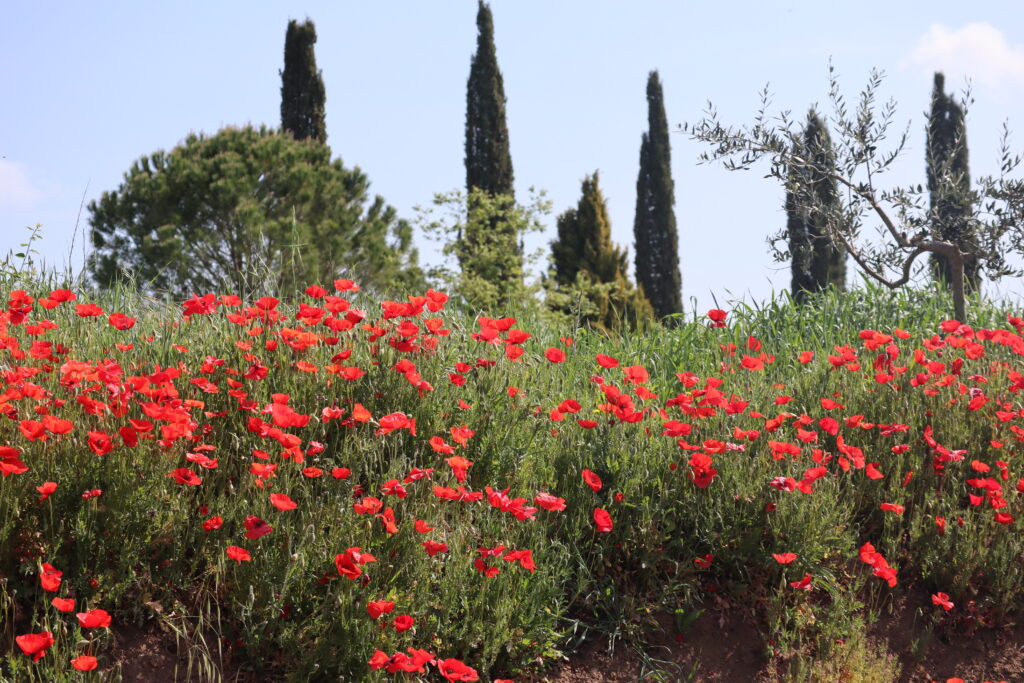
339	487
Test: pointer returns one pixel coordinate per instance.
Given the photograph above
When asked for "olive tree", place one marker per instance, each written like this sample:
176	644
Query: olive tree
904	225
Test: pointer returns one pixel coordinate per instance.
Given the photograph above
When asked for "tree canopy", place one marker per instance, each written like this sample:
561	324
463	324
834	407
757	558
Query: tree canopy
302	85
949	184
816	262
488	161
590	271
246	209
654	227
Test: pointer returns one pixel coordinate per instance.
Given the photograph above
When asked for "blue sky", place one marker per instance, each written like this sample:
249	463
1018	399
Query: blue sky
90	87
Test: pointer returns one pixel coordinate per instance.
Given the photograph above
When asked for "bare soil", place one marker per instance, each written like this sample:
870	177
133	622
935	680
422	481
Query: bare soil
722	646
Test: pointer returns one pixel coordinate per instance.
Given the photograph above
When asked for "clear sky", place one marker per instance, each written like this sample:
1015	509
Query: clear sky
89	87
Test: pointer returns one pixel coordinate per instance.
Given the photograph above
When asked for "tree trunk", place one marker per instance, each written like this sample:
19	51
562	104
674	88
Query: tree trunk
956	262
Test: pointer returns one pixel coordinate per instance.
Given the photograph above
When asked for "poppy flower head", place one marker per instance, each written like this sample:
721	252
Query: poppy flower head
603	520
35	645
84	663
94	618
256	527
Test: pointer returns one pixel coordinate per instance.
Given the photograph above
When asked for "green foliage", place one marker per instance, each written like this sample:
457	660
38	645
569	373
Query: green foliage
817	262
489	251
302	85
488	161
489	276
246	210
949	184
140	551
654	227
589	277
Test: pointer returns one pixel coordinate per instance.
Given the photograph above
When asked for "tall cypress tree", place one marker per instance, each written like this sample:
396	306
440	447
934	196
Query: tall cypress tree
488	161
811	200
489	249
949	183
302	85
586	260
657	244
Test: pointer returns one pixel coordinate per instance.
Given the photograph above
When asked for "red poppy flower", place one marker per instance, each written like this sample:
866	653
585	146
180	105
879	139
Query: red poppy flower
523	557
602	519
46	490
636	374
549	502
84	663
63	604
388	520
375	608
802	584
35	645
184	476
439	446
49	577
434	547
942	600
460	467
454	670
784	558
238	554
592	480
100	443
256	527
751	363
348	562
607	361
94	618
891	507
282	502
555	355
88	310
213	523
121	322
403	622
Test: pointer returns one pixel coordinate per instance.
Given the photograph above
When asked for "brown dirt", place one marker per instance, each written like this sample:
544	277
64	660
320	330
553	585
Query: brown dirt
722	646
151	655
144	654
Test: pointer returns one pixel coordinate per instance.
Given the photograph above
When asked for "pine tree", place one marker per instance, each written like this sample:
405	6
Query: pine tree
488	162
816	264
302	85
497	255
588	265
244	211
949	183
657	244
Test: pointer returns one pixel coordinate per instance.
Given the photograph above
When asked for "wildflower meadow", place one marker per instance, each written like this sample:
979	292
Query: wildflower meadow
343	486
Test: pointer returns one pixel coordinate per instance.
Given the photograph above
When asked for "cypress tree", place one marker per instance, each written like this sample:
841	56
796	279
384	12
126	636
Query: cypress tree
488	161
302	85
586	260
489	249
657	244
811	200
949	184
